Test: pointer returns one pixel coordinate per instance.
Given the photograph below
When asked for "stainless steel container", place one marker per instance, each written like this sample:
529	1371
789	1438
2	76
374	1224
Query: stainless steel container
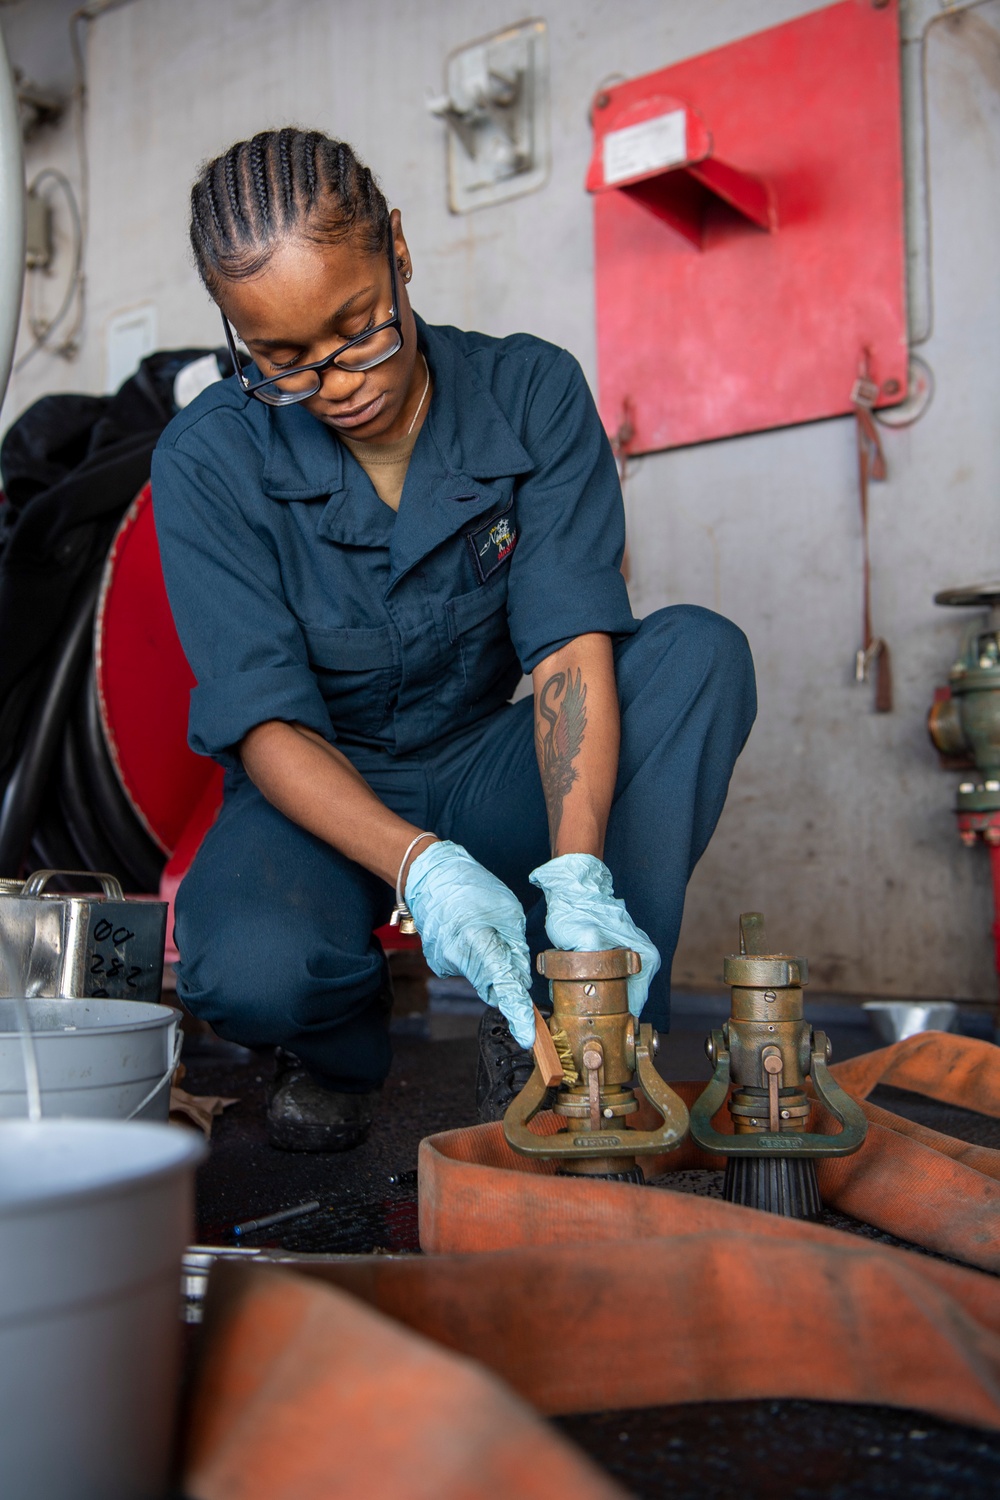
86	946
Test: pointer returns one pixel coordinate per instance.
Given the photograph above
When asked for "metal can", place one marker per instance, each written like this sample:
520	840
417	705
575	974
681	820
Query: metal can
79	946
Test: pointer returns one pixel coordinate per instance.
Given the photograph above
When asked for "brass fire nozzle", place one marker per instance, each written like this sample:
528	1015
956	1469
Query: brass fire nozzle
765	1052
605	1056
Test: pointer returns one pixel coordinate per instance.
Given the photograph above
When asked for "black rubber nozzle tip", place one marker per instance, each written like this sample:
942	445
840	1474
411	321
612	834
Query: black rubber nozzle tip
784	1185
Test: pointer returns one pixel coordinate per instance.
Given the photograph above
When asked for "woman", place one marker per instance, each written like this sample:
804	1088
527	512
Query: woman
368	534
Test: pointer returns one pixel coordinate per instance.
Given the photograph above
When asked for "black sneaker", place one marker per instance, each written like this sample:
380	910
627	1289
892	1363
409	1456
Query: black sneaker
302	1115
504	1067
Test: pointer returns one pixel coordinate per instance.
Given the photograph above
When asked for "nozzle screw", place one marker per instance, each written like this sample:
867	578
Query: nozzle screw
770	995
609	1114
590	989
786	1114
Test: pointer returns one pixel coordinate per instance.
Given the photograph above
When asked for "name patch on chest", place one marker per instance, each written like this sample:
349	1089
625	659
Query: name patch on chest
492	544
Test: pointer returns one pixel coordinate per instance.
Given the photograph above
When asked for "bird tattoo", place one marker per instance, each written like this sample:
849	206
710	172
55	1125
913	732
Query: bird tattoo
562	719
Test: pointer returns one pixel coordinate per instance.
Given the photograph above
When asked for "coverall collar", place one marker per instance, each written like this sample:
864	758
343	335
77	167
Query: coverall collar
466	442
473	437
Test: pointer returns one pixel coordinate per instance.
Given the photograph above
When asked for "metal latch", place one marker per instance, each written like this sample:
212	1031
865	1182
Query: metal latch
495	105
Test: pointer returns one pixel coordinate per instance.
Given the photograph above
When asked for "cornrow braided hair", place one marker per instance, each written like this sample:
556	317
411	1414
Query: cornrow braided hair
279	184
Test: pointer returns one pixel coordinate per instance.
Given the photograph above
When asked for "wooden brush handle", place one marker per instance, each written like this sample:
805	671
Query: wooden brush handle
546	1056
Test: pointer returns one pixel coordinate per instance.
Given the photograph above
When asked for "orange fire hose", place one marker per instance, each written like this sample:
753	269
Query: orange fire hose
952	1069
304	1393
587	1295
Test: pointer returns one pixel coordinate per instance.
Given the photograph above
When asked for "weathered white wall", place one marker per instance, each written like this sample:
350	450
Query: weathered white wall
37	36
839	822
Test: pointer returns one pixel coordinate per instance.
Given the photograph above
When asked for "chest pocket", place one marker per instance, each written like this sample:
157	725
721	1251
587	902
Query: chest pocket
477	626
355	670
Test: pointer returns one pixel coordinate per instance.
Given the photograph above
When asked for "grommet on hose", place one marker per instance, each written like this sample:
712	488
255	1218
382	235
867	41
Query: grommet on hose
601	1049
765	1051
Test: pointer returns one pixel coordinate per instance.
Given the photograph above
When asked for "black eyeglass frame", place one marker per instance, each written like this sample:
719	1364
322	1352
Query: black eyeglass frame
276	396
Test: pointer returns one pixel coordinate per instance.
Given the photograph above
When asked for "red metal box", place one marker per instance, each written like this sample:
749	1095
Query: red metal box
748	208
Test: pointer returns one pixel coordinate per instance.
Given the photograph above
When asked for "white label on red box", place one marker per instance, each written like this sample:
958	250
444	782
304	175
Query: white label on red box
649	147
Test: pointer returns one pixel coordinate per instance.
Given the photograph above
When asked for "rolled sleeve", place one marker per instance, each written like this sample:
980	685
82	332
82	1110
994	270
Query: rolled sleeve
244	645
224	710
565	574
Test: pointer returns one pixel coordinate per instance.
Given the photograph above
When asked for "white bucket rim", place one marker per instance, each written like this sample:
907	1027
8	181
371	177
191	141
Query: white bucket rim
164	1013
179	1148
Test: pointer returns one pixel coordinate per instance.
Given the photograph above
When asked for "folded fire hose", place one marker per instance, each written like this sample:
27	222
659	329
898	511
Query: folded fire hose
589	1295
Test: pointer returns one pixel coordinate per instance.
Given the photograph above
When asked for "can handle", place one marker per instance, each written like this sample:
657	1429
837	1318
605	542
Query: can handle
35	884
167	1076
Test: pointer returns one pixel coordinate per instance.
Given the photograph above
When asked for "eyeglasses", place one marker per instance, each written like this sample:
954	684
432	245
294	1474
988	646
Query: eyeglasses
363	352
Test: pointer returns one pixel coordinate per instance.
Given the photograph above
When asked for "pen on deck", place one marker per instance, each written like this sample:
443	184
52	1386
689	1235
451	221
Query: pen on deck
299	1211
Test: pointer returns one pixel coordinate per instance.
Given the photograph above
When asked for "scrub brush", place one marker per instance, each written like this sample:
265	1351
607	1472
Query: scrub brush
553	1055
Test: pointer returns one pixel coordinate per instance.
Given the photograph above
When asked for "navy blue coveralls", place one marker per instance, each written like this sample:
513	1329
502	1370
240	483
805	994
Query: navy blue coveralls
300	596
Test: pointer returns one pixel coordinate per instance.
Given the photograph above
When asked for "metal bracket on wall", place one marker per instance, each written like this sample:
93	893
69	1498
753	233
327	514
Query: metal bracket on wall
495	105
664	156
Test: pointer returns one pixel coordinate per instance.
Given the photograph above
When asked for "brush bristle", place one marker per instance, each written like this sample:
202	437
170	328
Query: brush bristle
562	1046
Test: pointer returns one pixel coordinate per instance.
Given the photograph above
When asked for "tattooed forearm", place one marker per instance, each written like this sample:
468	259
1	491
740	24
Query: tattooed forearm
560	722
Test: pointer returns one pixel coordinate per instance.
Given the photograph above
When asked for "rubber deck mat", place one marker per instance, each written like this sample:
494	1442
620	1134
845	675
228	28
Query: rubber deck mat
789	1450
347	1226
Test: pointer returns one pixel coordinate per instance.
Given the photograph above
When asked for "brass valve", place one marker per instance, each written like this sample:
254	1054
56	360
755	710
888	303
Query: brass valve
602	1050
964	721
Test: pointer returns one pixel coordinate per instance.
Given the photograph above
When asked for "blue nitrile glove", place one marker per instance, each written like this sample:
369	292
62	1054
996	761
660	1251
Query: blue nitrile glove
471	924
583	915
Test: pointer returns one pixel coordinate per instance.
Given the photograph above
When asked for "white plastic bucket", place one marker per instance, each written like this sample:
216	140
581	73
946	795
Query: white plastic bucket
94	1218
97	1059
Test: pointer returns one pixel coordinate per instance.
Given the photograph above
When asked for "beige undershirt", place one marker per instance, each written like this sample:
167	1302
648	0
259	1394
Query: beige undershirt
385	463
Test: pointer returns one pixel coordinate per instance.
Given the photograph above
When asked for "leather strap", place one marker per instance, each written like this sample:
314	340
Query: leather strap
874	650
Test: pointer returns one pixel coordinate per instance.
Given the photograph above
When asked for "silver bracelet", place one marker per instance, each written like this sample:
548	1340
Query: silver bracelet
401	914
